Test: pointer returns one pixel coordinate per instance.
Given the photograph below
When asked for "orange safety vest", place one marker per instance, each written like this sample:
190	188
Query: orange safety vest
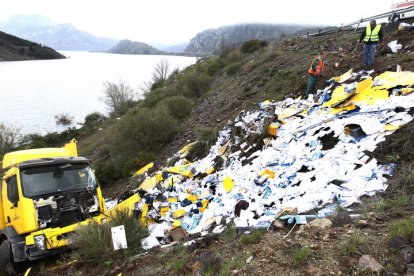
319	67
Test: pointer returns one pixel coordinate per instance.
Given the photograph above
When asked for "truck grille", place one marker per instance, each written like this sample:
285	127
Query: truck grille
71	217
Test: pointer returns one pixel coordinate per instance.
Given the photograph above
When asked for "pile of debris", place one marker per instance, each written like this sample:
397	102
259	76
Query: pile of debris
284	161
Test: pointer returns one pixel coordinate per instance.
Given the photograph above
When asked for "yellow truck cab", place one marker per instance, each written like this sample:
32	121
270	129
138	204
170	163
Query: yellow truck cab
45	195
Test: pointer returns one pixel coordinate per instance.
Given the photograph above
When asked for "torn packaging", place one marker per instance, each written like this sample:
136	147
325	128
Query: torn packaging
252	193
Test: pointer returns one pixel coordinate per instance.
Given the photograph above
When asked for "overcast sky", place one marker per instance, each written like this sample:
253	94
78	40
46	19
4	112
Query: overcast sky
173	21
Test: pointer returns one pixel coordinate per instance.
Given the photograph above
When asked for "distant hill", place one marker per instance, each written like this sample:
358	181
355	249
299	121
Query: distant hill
134	48
213	40
177	48
58	36
13	48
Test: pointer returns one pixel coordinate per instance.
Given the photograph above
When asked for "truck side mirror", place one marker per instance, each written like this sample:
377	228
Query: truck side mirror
12	191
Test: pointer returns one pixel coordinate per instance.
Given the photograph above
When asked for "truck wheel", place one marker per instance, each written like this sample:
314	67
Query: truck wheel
7	264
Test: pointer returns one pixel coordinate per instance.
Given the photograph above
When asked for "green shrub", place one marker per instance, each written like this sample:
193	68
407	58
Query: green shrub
94	120
233	68
252	46
214	66
403	228
93	242
132	165
253	238
157	84
263	43
195	84
355	244
300	255
51	139
232	56
152	98
106	172
34	141
177	106
143	129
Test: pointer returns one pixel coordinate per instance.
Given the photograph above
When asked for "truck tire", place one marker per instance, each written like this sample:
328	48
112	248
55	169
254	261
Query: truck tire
7	264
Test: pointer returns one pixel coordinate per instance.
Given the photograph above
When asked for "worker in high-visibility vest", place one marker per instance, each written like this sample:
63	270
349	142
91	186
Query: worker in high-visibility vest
372	35
314	72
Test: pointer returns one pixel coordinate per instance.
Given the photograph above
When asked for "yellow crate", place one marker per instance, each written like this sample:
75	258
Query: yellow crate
272	129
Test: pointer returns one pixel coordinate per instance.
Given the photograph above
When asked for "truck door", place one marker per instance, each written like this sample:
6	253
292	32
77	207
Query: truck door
11	203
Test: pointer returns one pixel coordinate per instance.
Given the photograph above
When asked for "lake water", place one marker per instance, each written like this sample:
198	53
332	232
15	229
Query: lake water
33	92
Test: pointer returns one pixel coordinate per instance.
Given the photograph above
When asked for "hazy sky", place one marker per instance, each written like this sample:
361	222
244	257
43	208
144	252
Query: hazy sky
173	21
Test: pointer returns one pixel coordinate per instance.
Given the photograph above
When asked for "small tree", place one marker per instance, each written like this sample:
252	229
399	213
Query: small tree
161	71
8	137
118	97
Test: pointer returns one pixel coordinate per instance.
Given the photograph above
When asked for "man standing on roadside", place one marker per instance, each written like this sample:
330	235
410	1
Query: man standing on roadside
371	36
314	72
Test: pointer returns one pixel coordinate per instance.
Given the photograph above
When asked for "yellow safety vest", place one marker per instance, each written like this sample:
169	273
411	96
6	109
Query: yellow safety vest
372	35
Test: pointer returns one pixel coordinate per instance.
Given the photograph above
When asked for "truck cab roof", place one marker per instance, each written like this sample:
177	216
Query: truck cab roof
16	157
52	161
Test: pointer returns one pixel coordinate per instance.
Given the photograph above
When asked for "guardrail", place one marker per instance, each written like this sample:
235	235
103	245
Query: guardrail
391	16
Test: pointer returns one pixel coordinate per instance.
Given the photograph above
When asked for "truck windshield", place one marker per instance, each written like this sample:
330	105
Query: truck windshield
39	181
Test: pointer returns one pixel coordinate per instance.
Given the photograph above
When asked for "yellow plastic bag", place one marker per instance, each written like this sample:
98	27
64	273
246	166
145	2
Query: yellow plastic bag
228	184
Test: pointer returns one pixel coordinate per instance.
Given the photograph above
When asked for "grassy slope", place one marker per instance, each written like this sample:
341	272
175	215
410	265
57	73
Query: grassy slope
274	73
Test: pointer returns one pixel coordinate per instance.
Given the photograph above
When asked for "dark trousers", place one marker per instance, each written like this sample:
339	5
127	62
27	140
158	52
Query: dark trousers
312	80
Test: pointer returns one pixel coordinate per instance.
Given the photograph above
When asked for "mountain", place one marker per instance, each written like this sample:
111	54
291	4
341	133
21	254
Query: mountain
13	48
176	48
134	48
213	40
42	30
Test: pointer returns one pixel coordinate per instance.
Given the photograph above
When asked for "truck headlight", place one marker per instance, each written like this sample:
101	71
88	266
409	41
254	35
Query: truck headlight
40	242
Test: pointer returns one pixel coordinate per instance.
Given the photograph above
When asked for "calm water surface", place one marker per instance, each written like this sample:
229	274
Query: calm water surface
33	92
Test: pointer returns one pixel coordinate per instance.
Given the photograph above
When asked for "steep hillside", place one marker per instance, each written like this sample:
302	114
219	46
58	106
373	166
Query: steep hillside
214	40
193	105
58	36
134	48
13	48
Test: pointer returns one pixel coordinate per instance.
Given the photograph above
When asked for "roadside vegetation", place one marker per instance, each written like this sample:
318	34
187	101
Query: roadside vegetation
9	135
92	243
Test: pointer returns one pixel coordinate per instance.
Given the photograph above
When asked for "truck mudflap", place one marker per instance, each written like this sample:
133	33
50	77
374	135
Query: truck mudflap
53	240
